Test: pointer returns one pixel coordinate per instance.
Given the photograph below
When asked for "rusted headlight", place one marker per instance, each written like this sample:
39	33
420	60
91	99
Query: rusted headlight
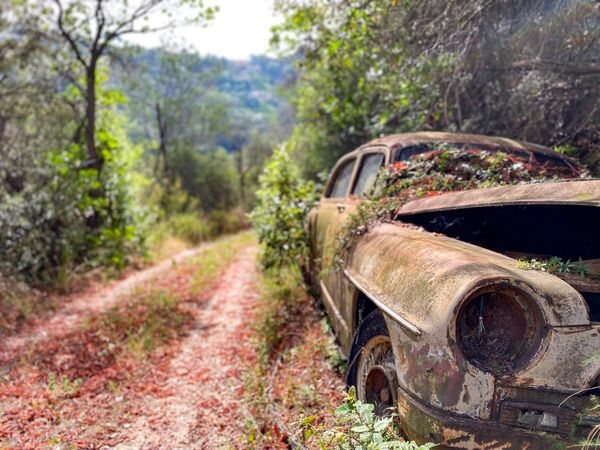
499	328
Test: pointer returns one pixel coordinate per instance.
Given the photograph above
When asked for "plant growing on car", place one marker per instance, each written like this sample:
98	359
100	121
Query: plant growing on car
556	265
358	428
443	169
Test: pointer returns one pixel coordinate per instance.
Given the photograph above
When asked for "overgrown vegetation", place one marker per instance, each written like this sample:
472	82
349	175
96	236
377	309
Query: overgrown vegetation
180	231
558	265
283	200
442	169
520	69
106	145
297	361
357	428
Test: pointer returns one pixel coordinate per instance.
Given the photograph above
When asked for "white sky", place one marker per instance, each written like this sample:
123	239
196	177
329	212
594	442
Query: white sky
241	28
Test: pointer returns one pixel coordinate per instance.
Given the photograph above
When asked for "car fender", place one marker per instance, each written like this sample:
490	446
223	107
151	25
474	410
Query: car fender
419	280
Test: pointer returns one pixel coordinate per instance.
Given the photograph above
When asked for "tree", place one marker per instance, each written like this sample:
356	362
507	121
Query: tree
174	101
89	27
517	68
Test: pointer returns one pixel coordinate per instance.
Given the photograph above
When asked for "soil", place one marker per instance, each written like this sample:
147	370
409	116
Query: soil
205	382
188	395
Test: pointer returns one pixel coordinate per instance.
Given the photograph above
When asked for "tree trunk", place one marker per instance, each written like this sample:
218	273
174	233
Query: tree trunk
96	158
242	173
90	113
162	143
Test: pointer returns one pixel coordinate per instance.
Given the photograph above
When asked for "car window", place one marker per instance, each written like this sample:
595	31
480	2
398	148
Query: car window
339	188
404	154
368	173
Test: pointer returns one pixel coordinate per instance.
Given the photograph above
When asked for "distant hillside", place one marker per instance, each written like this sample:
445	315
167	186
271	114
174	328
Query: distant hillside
249	89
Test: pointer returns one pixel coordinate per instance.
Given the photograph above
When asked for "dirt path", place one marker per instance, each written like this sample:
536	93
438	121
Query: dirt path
187	395
88	302
205	383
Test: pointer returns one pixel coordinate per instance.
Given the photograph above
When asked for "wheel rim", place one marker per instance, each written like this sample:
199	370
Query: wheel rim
376	380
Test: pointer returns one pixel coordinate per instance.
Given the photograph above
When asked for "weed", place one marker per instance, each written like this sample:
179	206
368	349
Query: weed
357	427
113	387
557	265
181	231
296	359
63	387
445	168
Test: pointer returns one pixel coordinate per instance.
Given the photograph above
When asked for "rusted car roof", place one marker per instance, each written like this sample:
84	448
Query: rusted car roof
406	139
580	192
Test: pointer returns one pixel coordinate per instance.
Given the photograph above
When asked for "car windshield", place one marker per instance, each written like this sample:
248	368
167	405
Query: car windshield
406	153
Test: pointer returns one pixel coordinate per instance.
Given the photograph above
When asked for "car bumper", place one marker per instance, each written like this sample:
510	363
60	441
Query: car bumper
427	424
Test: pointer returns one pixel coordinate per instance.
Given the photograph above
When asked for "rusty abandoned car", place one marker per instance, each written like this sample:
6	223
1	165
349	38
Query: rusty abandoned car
439	315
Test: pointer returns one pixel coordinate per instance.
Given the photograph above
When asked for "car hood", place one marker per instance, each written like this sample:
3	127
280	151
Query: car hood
579	192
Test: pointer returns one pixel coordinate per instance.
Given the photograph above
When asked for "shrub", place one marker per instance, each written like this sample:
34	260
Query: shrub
180	231
190	227
283	200
224	222
63	214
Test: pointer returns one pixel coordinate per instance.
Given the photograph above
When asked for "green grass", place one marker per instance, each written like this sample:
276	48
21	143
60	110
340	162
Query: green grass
296	360
185	230
213	259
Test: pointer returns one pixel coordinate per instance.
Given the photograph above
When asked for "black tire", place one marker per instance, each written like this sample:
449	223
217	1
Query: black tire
372	367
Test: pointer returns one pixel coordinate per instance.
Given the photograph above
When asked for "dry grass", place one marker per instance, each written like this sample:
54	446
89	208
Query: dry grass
297	373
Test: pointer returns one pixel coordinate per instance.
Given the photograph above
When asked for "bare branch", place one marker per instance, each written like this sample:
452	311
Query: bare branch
126	26
67	35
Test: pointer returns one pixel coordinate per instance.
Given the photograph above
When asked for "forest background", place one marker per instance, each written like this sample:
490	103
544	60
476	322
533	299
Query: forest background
112	154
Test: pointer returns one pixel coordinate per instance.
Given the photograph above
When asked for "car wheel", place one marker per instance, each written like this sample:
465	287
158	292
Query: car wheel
372	367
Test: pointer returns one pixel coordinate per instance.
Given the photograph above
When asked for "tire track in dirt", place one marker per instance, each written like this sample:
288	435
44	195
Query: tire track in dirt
201	405
87	303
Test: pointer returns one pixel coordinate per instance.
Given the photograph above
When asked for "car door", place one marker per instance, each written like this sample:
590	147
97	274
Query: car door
342	199
369	166
328	217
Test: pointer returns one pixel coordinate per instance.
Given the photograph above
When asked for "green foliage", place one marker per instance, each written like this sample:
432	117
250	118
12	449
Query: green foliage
206	104
283	201
210	177
553	264
70	214
194	228
380	67
358	80
282	286
63	387
190	227
358	428
557	265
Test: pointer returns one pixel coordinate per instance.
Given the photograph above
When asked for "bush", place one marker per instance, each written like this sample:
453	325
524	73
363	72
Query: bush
62	214
180	231
225	222
190	227
283	201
